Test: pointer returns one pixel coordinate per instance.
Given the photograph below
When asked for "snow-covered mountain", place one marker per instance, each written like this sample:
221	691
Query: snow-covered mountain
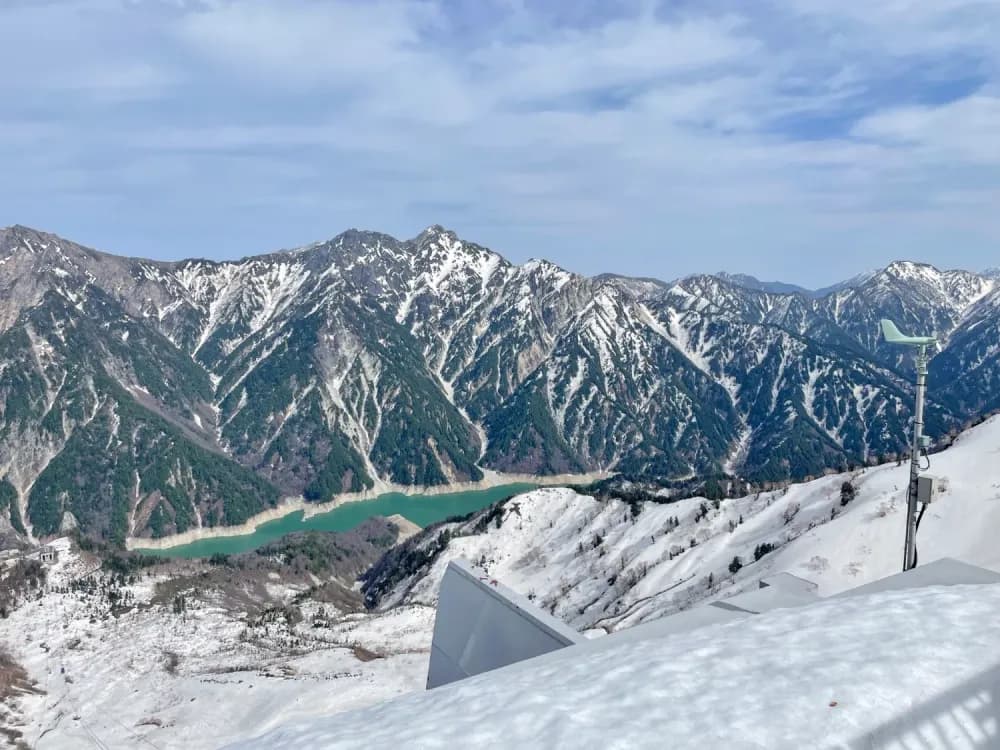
146	398
851	283
609	564
224	672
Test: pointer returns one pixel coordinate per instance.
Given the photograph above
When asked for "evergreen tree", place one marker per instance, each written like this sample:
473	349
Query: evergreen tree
847	493
762	549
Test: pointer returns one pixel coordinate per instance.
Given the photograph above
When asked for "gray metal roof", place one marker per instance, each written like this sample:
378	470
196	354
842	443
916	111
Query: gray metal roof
762	600
943	572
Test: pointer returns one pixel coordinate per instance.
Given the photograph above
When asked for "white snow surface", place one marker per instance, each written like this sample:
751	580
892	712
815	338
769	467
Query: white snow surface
107	681
912	669
905	669
594	564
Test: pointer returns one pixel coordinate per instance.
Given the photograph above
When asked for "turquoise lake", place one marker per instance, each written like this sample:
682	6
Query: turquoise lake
422	510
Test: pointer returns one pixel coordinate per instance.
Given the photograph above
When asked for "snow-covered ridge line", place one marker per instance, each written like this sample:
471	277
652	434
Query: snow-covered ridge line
366	359
609	565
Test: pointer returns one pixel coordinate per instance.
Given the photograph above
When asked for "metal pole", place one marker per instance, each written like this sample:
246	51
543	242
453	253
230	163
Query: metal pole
910	551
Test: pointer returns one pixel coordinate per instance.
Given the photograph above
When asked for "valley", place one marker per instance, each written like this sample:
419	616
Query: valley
196	654
418	510
499	374
143	400
253	473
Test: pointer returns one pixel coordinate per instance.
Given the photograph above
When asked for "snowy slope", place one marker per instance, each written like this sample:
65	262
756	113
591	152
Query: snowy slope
858	673
150	677
909	669
599	564
596	564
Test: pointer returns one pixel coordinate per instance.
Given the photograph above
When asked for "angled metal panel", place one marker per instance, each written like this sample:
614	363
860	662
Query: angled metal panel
482	625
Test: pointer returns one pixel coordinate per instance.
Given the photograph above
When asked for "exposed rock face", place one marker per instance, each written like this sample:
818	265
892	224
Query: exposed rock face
147	398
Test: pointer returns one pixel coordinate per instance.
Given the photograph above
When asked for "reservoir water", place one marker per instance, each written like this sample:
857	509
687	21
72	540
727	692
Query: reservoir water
422	510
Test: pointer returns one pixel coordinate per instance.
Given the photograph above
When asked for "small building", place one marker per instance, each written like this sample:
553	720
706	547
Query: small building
48	554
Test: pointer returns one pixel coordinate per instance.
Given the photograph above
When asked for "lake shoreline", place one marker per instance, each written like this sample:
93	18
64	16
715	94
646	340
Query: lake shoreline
298	504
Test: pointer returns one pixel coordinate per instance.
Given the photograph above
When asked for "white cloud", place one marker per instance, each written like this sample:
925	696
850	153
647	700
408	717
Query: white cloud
967	129
784	118
123	80
624	53
79	47
337	43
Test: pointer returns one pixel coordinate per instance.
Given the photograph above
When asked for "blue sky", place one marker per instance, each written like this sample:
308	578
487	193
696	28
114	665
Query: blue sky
803	140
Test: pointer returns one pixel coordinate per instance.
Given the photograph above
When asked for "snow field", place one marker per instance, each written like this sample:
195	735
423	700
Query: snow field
904	669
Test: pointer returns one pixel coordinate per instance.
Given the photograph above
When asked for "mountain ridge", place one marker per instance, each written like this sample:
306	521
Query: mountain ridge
745	280
365	359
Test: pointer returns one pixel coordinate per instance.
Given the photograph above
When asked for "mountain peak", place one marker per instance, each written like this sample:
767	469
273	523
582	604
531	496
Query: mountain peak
909	267
434	232
437	238
640	287
38	242
18	229
533	265
18	233
352	241
851	283
19	240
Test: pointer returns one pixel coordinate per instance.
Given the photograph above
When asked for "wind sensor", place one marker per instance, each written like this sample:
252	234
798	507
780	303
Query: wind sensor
921	488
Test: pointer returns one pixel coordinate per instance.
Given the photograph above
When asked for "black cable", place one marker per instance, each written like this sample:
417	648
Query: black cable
920	514
915	530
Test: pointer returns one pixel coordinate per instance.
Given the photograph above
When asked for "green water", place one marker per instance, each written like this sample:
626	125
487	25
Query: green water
422	510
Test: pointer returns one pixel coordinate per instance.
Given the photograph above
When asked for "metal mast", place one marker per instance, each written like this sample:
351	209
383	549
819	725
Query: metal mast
893	336
910	549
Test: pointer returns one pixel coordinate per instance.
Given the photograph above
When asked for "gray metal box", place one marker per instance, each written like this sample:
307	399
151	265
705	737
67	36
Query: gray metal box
926	487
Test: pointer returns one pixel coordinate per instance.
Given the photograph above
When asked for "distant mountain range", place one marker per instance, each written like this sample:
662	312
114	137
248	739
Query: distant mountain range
145	398
780	287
